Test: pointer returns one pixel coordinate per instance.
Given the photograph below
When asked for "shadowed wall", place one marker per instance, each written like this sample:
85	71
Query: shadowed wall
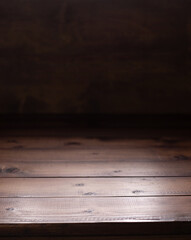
95	56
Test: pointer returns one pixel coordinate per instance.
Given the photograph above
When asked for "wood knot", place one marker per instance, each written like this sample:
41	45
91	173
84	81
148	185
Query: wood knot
137	191
10	209
12	170
88	211
89	193
79	184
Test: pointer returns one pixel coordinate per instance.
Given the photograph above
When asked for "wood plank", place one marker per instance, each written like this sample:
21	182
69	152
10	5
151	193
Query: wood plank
91	167
91	210
96	187
98	154
94	169
126	161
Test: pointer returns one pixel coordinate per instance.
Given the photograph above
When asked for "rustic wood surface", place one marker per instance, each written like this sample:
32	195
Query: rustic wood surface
71	182
96	187
95	56
87	210
90	165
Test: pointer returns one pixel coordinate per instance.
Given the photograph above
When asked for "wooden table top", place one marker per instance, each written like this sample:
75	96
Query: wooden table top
95	181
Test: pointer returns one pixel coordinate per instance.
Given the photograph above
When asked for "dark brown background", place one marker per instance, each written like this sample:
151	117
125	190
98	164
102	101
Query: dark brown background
95	56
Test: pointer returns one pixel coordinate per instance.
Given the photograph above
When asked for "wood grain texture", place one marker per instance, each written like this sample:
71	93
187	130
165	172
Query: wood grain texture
120	56
91	210
122	139
111	154
86	167
78	153
96	187
95	182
